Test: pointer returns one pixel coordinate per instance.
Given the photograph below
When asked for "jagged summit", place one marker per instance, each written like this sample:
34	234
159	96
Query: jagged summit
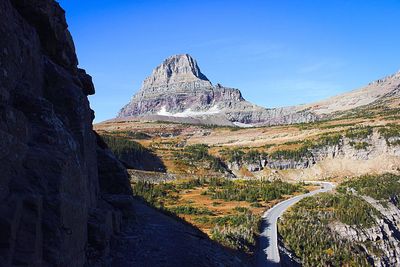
175	69
178	89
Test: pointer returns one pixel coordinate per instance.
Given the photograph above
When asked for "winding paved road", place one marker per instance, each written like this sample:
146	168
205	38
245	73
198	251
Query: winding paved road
268	253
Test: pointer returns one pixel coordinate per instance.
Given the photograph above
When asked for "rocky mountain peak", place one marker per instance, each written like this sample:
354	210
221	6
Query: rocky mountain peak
178	90
173	70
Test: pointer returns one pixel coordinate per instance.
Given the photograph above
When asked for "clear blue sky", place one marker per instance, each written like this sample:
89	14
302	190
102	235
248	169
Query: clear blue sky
278	53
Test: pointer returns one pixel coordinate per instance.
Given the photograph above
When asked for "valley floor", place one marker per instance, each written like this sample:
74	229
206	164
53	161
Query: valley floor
221	179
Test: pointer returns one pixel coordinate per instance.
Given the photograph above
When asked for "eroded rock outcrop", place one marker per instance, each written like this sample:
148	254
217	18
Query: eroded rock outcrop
354	149
52	207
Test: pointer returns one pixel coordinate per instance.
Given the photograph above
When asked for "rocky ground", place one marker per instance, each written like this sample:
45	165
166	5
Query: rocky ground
155	239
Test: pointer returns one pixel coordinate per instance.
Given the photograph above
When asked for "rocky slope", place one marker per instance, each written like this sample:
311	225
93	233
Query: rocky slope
385	235
384	89
161	240
381	239
177	90
64	197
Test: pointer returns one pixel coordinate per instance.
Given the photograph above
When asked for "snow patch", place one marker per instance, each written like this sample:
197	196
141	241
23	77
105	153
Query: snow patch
189	113
242	125
163	112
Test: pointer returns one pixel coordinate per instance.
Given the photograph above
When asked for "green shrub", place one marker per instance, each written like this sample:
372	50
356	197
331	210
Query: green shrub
192	183
293	142
306	229
253	156
295	154
327	140
232	155
389	132
253	191
213	182
236	231
202	219
196	152
380	187
256	205
240	209
190	210
193	155
121	146
155	194
358	132
359	145
304	151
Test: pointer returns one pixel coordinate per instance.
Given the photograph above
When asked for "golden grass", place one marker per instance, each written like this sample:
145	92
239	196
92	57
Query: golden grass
195	199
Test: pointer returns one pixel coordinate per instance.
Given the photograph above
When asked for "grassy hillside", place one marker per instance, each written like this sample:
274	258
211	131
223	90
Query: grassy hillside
228	211
133	154
380	187
182	147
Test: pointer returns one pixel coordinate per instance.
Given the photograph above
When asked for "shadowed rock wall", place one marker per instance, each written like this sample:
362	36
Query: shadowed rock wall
51	190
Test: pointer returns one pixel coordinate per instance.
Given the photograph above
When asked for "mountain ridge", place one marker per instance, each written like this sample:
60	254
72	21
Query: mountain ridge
359	97
178	91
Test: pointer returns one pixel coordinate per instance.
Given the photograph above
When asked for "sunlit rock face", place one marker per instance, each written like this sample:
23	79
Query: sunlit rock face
178	89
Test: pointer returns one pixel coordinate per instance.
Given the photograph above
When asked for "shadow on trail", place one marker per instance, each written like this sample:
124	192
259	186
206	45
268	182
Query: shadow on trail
260	259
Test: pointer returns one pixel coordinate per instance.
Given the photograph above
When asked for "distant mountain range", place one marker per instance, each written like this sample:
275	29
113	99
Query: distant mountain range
178	91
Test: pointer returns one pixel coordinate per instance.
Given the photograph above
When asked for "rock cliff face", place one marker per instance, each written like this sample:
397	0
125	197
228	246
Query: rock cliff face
354	149
178	89
52	211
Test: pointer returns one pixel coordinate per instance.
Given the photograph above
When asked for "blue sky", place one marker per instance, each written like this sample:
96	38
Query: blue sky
278	53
